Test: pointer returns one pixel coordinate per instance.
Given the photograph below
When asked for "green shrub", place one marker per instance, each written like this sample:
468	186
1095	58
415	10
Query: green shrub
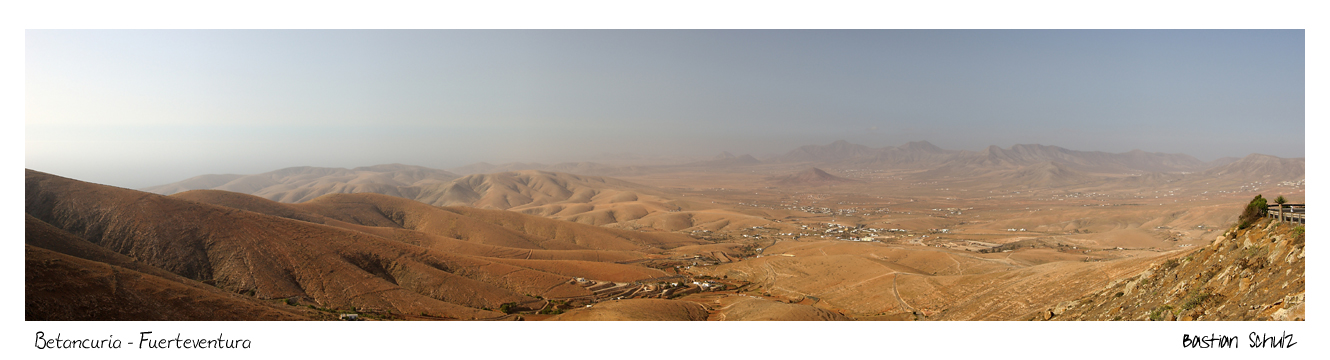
1255	210
1158	313
508	307
1195	298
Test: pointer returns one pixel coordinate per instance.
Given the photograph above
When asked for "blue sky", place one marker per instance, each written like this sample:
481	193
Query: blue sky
141	108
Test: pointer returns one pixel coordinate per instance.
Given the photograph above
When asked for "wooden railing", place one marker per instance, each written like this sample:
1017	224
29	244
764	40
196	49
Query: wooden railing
1293	213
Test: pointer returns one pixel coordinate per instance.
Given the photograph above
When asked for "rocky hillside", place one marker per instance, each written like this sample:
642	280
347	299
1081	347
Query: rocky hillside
1250	274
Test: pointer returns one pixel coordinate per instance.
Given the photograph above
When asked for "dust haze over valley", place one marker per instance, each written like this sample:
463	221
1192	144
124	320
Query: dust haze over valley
664	175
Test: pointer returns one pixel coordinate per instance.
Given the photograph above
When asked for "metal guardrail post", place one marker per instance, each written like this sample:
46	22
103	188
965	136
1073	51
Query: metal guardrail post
1297	213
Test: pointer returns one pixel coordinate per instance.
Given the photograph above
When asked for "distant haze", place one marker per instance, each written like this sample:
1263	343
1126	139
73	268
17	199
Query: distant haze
142	108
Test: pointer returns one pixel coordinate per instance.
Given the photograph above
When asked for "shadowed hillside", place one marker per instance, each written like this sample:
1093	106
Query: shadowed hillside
312	252
68	278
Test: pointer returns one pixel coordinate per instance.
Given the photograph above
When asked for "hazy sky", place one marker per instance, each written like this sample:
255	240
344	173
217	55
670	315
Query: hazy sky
142	108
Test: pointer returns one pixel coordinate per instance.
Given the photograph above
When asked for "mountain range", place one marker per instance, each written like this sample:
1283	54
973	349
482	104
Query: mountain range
517	185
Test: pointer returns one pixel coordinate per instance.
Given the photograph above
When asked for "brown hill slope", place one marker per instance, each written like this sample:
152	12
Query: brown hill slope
40	234
743	308
1252	274
391	230
594	237
64	288
583	199
272	257
523	188
638	310
870	279
493	227
68	278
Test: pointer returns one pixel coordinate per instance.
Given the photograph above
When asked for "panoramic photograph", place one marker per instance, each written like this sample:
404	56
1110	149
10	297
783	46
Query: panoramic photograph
664	175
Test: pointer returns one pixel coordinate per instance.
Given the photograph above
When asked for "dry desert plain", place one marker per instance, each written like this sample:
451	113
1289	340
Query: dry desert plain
824	232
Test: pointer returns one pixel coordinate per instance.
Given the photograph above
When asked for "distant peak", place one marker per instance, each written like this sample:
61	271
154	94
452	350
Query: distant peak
1255	156
1032	146
812	176
921	145
388	167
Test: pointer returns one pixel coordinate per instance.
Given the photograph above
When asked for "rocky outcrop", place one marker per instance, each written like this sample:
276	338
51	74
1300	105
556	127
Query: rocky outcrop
1250	274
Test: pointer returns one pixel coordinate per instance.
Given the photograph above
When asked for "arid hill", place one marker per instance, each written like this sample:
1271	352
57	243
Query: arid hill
1251	170
1251	274
869	280
590	200
1258	167
1221	162
528	188
1045	174
638	310
810	177
351	251
742	308
376	224
502	191
68	278
305	183
209	181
